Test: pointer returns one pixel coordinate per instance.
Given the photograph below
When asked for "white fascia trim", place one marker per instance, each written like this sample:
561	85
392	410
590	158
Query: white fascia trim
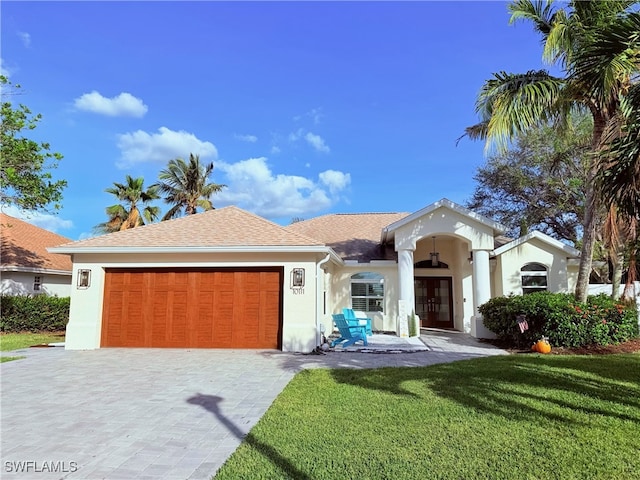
499	228
383	263
14	268
372	263
540	236
198	249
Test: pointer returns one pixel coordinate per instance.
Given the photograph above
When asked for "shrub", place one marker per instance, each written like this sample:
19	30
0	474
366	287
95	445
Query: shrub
560	318
33	314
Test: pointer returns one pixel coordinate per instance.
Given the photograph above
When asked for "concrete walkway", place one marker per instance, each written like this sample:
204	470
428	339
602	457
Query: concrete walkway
162	413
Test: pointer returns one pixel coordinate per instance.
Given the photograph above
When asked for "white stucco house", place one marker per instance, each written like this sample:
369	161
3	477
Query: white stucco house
26	267
230	279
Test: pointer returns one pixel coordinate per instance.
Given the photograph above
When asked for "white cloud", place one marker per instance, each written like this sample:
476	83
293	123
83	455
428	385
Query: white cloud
140	146
335	180
275	150
246	138
26	39
315	114
295	136
4	70
253	186
122	105
50	222
317	142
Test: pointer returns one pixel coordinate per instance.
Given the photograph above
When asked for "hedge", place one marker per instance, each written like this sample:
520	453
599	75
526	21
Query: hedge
557	316
40	313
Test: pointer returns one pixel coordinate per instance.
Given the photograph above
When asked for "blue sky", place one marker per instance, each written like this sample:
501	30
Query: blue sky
304	108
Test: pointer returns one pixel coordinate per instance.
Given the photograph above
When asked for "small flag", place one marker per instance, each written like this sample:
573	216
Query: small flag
522	323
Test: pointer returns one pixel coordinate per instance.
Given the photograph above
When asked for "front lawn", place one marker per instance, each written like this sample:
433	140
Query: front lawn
14	341
506	417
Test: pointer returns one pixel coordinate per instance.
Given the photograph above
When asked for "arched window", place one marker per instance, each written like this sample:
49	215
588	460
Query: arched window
367	292
534	278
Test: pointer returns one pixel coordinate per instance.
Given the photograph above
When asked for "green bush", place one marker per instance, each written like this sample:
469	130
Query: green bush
559	317
33	314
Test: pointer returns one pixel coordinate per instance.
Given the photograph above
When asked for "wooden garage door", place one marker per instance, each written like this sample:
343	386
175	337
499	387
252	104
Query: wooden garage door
192	308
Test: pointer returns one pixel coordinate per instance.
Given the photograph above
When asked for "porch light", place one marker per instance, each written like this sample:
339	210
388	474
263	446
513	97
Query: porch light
297	277
84	279
435	256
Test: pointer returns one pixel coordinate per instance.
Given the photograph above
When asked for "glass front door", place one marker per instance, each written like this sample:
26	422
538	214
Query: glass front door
434	301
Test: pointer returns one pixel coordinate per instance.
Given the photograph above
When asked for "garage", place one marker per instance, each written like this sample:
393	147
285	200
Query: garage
193	308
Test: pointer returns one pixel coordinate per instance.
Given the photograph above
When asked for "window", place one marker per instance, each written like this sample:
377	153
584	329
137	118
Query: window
534	278
37	283
367	292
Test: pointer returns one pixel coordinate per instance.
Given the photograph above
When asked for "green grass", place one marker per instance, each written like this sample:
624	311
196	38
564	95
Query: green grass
519	416
14	341
9	359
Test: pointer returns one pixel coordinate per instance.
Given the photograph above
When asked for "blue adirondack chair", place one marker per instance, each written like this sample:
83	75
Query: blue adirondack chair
349	334
354	319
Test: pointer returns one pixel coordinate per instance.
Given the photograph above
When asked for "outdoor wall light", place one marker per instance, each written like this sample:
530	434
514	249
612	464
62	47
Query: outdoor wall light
84	279
297	278
435	256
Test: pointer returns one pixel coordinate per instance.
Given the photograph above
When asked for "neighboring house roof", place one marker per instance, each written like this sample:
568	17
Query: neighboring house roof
24	247
353	236
228	227
570	251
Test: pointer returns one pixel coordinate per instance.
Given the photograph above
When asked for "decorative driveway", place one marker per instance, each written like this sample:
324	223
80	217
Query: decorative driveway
158	413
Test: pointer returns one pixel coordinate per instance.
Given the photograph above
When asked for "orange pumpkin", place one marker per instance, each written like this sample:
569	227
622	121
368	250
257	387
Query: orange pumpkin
542	346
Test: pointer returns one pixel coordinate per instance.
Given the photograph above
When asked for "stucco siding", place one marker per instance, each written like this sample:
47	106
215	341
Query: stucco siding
444	221
534	251
299	304
340	294
21	283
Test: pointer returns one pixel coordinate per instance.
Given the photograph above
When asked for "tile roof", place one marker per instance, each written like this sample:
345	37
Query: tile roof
25	245
353	236
225	227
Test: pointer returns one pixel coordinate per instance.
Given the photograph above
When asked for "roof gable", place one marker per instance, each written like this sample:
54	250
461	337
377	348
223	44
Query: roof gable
556	244
389	231
25	246
225	227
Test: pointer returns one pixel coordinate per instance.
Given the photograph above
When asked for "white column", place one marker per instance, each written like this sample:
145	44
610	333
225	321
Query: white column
405	279
481	292
481	279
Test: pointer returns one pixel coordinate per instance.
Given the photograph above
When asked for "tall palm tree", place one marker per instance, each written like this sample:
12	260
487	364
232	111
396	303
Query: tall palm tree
127	214
595	80
185	186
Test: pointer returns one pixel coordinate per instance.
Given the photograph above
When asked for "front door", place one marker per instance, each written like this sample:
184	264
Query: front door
434	301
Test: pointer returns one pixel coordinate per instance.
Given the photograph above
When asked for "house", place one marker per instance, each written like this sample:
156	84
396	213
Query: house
230	279
26	267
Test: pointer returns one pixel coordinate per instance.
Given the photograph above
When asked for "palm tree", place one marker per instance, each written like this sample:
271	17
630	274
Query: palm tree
595	80
185	186
127	214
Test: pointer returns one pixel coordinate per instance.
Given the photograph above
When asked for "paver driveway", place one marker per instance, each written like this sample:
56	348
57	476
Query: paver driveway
154	413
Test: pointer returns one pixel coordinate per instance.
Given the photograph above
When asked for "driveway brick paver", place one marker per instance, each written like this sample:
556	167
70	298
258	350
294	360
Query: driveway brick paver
159	413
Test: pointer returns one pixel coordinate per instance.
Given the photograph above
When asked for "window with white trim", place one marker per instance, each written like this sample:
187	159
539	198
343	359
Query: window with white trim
533	277
367	292
37	283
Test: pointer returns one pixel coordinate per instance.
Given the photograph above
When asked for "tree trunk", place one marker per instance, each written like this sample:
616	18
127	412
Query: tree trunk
616	278
591	208
588	243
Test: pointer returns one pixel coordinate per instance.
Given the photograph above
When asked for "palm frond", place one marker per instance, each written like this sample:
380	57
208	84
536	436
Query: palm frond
560	40
606	65
540	13
517	102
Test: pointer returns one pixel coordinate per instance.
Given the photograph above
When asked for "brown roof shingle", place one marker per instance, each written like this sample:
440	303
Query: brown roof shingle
225	227
25	245
353	236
